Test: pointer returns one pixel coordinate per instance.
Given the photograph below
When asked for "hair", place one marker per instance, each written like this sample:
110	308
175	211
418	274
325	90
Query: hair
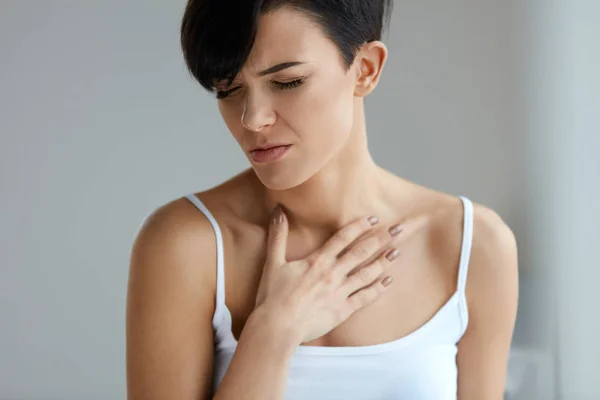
218	35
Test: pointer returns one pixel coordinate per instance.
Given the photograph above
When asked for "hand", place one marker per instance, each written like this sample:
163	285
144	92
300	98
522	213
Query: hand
312	296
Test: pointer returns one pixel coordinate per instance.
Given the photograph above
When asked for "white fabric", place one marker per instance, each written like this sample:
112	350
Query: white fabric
421	365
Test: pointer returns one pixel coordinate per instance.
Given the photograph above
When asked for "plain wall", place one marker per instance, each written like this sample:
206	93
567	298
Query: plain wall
564	138
100	124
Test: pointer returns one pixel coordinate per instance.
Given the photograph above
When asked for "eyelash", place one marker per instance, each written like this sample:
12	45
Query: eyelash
280	85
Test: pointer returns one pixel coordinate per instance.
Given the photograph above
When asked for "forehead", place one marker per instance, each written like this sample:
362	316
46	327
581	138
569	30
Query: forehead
287	35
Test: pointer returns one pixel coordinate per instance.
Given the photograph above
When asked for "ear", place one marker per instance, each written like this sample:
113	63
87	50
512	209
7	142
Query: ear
370	61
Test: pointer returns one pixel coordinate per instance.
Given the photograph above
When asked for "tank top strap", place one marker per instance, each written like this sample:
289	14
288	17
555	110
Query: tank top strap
220	299
465	255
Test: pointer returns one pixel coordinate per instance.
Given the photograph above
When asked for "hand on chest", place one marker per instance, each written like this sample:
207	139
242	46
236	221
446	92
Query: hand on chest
421	286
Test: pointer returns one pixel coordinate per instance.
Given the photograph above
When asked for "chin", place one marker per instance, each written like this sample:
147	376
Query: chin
279	177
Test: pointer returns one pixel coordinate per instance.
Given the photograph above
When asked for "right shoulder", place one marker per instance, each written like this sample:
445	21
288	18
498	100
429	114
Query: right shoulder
170	304
176	241
174	223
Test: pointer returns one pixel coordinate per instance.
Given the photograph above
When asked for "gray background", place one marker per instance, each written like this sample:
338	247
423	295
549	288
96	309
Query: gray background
100	124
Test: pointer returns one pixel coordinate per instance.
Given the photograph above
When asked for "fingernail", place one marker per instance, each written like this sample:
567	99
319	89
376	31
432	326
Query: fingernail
277	215
387	280
394	230
392	255
373	220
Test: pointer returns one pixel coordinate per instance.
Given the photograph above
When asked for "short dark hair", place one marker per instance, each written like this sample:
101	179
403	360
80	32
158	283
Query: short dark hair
217	35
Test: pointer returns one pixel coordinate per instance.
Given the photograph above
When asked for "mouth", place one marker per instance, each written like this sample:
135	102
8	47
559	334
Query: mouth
269	146
268	154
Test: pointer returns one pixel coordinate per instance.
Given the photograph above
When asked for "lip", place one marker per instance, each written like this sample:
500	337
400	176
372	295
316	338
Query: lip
269	146
270	153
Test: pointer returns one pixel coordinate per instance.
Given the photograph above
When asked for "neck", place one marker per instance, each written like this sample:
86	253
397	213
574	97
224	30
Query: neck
350	185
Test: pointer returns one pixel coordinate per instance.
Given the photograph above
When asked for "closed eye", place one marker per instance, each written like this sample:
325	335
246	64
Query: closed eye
222	94
288	85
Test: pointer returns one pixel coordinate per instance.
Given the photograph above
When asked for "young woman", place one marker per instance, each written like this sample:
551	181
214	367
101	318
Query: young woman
360	285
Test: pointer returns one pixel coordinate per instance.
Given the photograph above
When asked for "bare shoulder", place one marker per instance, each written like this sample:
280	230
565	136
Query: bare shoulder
180	232
177	244
492	298
170	305
493	264
177	234
493	257
492	279
493	245
491	289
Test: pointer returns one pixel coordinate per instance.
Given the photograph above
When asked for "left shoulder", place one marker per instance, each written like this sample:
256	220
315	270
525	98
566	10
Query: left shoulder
492	299
493	243
492	267
493	258
493	248
491	291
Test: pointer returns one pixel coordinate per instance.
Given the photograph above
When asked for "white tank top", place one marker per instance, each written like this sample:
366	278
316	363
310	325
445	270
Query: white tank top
419	366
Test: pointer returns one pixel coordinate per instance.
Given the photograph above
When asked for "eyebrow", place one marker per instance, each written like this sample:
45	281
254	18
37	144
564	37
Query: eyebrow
279	67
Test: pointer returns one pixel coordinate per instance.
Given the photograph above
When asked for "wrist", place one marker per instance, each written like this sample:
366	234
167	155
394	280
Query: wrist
274	326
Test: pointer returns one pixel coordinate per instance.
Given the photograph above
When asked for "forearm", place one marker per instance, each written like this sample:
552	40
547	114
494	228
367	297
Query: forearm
260	365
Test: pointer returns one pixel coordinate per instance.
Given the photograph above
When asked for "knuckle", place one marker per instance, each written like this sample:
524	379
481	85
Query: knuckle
277	235
366	274
345	235
364	296
377	241
314	260
384	238
373	293
360	251
328	276
353	303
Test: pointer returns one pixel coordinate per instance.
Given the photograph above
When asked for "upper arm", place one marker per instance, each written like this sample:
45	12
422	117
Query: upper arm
492	295
170	303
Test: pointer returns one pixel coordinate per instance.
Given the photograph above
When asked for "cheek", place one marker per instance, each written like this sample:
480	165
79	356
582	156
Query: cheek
325	112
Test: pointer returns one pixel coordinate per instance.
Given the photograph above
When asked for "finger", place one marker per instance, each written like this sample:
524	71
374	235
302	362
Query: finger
365	249
368	274
367	295
277	238
345	236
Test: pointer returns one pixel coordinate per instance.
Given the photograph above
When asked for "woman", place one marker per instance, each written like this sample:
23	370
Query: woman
318	299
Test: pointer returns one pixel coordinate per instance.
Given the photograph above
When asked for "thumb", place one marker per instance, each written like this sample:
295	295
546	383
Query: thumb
277	240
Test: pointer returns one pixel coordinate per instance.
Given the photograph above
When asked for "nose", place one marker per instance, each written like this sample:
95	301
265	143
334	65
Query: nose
257	114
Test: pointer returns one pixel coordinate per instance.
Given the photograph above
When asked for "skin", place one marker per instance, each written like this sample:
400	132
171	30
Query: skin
327	179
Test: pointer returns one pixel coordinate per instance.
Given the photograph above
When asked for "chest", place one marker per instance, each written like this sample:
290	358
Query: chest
421	286
395	371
